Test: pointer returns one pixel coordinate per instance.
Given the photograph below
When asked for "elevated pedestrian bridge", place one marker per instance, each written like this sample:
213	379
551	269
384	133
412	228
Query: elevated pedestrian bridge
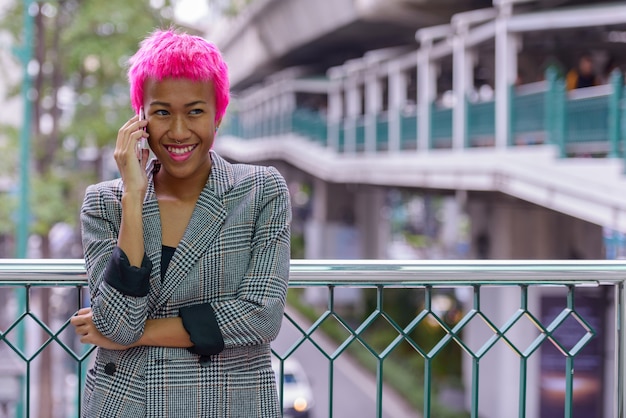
384	119
589	189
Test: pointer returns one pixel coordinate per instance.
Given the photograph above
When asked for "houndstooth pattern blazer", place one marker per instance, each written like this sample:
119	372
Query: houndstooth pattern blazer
234	256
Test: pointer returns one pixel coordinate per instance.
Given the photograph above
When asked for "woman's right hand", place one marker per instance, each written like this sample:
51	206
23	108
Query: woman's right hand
130	163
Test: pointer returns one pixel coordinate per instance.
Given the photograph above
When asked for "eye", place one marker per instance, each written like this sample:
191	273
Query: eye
161	112
196	112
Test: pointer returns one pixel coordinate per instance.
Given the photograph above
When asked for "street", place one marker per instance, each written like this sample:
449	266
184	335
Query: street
354	389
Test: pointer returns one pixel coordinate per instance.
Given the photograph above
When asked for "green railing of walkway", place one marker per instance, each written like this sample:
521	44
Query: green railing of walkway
430	278
583	122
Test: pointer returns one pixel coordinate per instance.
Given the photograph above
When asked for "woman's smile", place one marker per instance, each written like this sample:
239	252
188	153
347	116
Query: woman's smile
180	152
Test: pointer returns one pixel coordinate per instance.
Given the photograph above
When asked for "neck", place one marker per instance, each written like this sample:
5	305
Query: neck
183	189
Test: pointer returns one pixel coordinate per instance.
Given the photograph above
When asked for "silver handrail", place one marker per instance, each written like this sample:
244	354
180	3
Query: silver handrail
350	272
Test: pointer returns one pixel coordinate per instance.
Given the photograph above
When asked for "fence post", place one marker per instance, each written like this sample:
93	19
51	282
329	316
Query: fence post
511	110
559	116
615	114
555	113
551	77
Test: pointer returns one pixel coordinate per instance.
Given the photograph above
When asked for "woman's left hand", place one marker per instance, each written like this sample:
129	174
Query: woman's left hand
89	334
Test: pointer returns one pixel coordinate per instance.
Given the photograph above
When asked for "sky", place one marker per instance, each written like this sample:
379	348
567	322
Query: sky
190	11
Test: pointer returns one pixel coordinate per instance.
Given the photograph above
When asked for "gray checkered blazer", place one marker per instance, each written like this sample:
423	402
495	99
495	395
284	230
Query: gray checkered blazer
234	256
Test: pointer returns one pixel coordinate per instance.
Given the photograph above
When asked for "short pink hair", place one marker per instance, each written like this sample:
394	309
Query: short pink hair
170	54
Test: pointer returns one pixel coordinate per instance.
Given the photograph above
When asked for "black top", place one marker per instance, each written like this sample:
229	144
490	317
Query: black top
166	255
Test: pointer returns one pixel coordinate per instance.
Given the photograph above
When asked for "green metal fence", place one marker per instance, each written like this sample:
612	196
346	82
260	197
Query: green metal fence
400	301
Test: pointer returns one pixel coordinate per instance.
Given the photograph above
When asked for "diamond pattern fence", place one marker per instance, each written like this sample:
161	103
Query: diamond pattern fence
412	328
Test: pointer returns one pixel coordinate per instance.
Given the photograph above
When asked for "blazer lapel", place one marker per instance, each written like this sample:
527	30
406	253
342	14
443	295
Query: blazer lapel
204	227
152	234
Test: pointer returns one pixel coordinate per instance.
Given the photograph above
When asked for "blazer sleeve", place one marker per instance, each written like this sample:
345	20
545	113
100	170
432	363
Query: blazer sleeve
119	292
255	316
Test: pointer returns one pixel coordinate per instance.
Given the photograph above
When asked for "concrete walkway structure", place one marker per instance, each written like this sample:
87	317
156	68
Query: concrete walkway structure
473	107
449	115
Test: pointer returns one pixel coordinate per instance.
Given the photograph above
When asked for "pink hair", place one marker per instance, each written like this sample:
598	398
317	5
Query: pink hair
169	54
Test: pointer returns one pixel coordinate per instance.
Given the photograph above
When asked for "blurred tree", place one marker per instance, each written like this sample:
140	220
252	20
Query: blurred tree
79	102
8	165
81	93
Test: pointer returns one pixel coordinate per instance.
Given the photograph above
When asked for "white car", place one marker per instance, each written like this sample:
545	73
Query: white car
296	391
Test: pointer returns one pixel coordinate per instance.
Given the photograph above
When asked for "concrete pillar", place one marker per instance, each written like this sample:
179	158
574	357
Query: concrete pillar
249	116
267	113
275	104
331	232
503	227
373	106
347	222
353	112
244	117
287	107
426	94
507	46
373	226
463	82
253	127
397	101
335	108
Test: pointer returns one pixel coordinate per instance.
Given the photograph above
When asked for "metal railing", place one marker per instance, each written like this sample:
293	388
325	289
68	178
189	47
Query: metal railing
583	122
530	310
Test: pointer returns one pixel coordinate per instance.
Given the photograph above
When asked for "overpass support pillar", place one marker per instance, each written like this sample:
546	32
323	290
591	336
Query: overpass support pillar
371	222
507	228
347	222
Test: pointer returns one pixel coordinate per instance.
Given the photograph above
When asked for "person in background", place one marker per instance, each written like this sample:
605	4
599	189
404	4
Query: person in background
187	255
583	75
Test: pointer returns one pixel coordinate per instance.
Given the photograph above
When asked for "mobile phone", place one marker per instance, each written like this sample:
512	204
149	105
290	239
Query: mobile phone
143	143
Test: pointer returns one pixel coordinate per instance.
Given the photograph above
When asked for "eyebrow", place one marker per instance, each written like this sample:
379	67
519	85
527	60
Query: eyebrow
165	104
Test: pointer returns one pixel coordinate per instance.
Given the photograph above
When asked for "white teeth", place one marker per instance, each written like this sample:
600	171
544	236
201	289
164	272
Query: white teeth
180	150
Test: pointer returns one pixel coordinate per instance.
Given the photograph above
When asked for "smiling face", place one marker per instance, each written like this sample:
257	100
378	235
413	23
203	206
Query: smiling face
182	125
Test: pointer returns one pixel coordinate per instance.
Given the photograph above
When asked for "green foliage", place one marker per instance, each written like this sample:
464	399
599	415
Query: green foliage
51	203
102	40
8	165
401	305
82	99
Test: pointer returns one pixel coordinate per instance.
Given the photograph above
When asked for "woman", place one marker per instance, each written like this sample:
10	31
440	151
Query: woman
187	255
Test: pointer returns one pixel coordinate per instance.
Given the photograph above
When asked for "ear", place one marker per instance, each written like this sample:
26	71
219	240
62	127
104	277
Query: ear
218	122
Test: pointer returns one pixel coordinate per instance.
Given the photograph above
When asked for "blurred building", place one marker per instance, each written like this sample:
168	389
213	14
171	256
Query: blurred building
452	117
382	80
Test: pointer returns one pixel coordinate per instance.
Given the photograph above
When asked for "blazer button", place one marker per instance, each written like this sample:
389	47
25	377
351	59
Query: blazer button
109	369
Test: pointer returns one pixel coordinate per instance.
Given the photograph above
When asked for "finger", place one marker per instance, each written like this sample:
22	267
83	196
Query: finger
127	147
132	126
127	126
83	311
81	329
77	320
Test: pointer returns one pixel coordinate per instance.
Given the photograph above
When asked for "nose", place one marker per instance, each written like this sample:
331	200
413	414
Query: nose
179	131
